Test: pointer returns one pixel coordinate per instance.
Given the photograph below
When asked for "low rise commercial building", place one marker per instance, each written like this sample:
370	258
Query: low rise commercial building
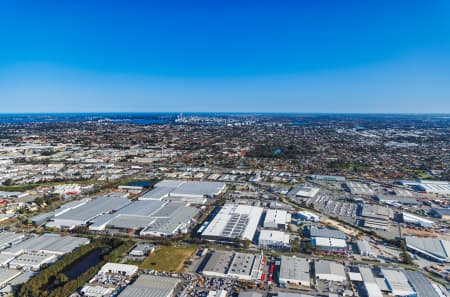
273	239
329	271
294	271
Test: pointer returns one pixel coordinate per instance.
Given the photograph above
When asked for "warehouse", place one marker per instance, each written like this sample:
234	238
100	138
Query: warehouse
83	214
306	216
332	178
376	217
409	218
8	239
434	249
32	260
233	222
47	243
397	283
370	284
187	191
294	271
441	213
329	271
117	268
359	189
217	263
396	200
245	266
423	286
276	219
364	249
433	187
6	275
273	239
327	239
234	265
306	192
151	286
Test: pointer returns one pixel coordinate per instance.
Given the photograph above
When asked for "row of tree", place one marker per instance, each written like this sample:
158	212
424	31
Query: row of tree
51	281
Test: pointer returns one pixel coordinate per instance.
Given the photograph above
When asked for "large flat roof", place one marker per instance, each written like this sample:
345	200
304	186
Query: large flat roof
151	286
234	221
293	268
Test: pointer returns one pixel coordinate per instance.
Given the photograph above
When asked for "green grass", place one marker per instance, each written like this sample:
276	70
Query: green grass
168	258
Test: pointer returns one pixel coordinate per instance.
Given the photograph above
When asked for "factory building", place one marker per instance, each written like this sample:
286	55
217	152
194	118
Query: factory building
117	268
233	222
8	239
233	265
273	239
151	286
364	249
433	187
329	271
434	249
409	218
376	217
276	219
195	192
397	283
327	239
329	178
441	213
294	271
306	191
359	189
369	282
306	216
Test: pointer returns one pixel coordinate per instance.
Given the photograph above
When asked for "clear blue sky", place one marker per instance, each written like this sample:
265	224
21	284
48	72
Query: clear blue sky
270	56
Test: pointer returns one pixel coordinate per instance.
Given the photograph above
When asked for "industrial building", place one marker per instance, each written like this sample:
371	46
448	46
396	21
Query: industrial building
233	222
441	213
117	268
276	219
195	192
397	283
8	239
6	275
396	200
234	265
376	217
329	271
83	214
304	215
330	178
423	286
327	239
434	249
409	218
433	187
359	188
148	218
273	239
32	260
364	249
294	271
306	191
151	286
369	282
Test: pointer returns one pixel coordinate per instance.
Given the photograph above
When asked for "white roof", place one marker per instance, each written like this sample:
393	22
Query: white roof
397	282
330	242
234	221
117	267
273	236
275	217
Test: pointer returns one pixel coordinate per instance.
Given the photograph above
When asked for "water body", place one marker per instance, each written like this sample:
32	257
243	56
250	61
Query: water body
91	259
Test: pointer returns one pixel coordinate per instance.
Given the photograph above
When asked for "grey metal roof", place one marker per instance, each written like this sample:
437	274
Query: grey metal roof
94	208
431	245
141	208
327	267
294	268
7	238
151	286
421	284
326	232
53	243
219	262
198	188
289	294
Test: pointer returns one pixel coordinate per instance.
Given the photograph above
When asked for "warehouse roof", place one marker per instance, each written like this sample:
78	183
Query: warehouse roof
234	221
151	286
7	275
397	282
325	232
7	238
328	267
218	262
293	268
421	284
437	247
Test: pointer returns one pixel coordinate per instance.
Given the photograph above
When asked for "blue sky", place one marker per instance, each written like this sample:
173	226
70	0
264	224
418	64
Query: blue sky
264	56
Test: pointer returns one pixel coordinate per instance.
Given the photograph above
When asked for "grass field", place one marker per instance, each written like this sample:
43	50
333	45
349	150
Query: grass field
168	258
